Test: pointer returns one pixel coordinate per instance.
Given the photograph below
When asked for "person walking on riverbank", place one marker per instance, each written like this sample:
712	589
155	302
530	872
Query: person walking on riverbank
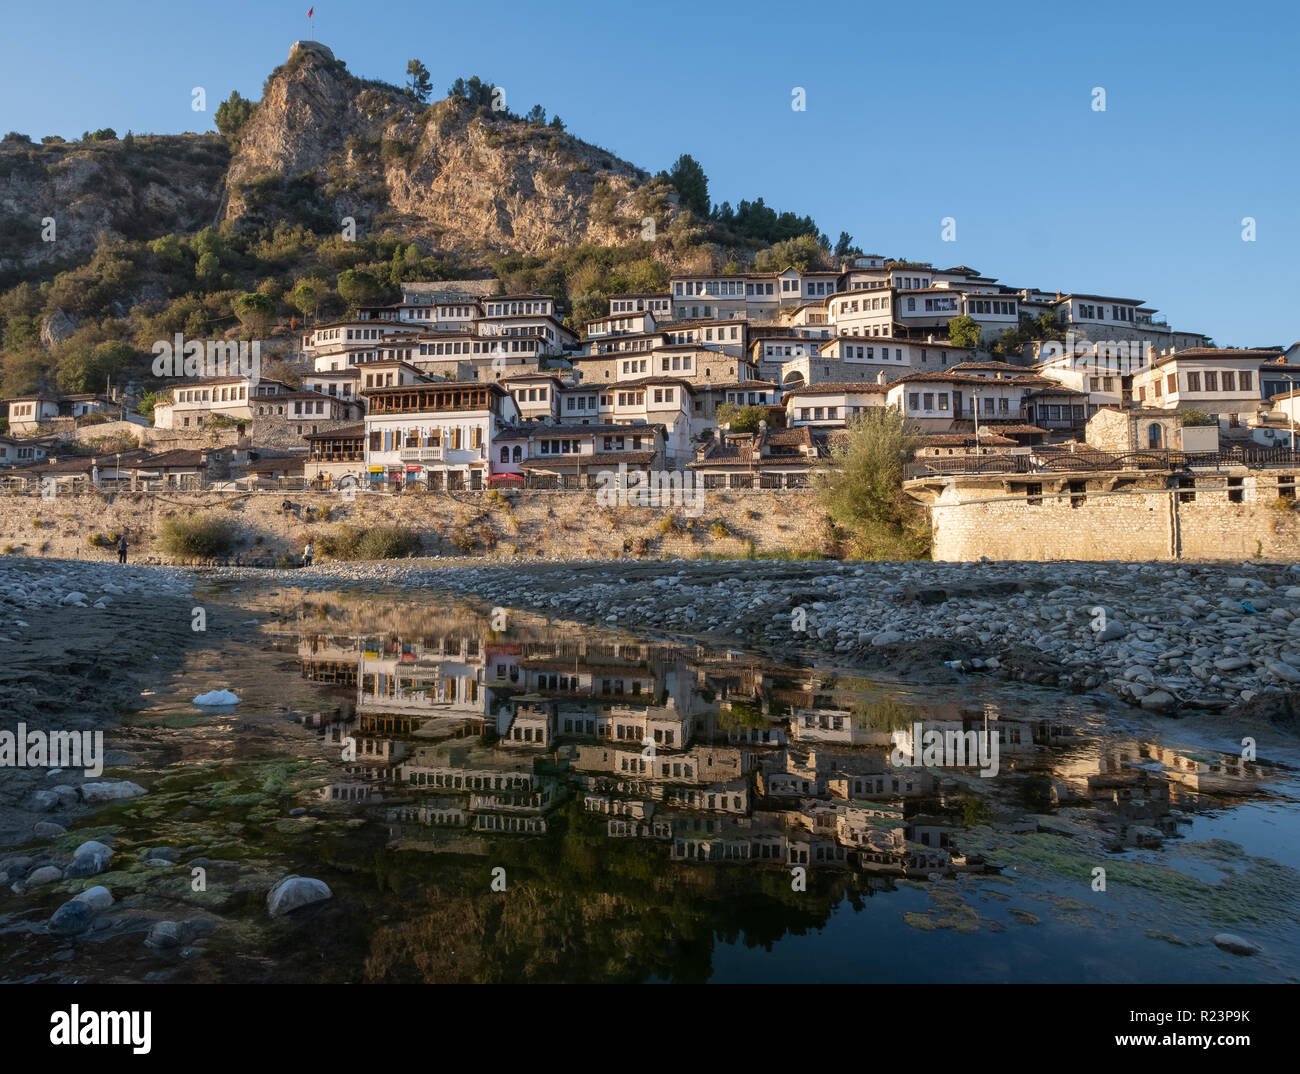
121	547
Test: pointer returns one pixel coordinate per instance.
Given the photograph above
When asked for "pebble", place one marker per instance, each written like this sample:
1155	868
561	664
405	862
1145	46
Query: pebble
1234	944
71	918
294	892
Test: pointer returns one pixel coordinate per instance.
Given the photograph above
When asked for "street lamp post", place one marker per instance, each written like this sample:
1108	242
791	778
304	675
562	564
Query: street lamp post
1291	412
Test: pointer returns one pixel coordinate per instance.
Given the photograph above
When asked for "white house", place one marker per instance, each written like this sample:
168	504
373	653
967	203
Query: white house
437	435
831	406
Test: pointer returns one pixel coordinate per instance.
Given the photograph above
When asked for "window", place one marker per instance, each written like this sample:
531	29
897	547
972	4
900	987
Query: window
1193	382
1229	381
1171	383
1235	490
1034	494
1211	381
1078	493
1245	381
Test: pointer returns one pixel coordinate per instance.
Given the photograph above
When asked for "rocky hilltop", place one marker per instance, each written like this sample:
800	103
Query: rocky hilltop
458	177
322	145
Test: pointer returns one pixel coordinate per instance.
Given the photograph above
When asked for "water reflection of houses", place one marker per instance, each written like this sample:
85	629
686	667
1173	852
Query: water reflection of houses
463	735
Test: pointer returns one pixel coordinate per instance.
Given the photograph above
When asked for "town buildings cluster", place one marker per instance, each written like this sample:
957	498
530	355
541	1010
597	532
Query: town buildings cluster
456	387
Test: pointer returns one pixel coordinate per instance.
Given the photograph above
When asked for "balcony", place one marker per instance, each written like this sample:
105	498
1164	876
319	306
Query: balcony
422	454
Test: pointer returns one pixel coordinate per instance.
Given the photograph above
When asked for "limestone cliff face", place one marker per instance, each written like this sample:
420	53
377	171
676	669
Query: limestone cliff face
458	178
156	185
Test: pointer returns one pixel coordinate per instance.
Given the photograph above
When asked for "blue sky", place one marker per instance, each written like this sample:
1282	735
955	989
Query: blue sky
914	113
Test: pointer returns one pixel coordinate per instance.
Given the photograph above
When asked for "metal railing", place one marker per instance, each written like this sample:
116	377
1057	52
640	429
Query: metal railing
1094	461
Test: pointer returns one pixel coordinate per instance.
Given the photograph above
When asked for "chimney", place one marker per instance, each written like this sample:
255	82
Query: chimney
880	377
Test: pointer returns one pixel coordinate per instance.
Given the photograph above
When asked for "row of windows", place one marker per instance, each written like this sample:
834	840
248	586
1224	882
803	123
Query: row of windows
1231	380
728	287
1098	313
867	305
693	336
852	351
224	395
396	439
1053	412
527	345
517	309
946	303
984	305
623	345
626	305
926	401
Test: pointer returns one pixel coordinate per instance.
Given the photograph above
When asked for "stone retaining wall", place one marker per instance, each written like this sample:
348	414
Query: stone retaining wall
524	523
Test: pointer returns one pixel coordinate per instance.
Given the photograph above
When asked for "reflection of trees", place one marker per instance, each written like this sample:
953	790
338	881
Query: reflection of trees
589	908
739	715
885	715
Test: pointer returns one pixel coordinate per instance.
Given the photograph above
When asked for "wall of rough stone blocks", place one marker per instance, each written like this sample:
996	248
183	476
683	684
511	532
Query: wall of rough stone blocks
529	524
1144	525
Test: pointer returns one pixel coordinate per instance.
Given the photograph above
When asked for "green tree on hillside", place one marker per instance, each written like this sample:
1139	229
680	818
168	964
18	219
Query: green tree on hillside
691	184
964	331
420	86
255	311
233	114
86	368
742	419
359	288
306	297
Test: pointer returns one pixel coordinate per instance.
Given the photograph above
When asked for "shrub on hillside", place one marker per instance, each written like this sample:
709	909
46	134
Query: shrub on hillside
196	536
374	542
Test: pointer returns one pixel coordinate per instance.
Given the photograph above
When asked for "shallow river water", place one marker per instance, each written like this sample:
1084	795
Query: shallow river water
492	797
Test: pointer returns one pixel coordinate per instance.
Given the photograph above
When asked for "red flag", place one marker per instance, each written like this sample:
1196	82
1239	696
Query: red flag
309	11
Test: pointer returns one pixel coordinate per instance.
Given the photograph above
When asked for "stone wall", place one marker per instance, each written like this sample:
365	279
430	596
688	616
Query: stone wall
1137	520
530	524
